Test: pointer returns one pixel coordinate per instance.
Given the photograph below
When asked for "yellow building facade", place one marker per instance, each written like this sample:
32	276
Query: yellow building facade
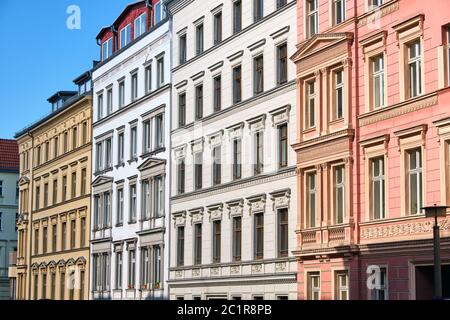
54	220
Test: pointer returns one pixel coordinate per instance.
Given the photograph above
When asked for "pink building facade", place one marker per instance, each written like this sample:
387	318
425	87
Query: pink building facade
373	147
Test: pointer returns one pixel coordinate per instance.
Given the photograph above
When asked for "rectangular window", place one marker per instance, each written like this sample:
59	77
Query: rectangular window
237	16
217	165
310	104
378	81
133	202
121	94
341	285
311	199
159	131
415	69
134	86
54	237
237	84
44	286
217	28
158	196
198	170
281	3
55	149
99	162
108	153
107	49
147	136
45	195
44	239
198	102
148	79
259	236
109	101
415	181
83	181
125	36
199	39
338	11
180	246
181	176
374	4
99	106
198	244
259	153
160	13
157	267
237	238
183	48
258	74
83	232
313	282
120	206
84	133
160	72
378	192
217	93
63	236
283	233
257	10
338	94
381	293
237	159
62	288
217	237
145	263
74	185
121	149
448	55
140	25
313	17
339	194
182	109
145	200
119	270
131	268
73	231
38	198
283	145
52	286
133	143
282	64
36	241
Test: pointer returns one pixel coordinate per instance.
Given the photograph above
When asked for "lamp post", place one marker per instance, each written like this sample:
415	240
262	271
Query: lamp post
436	211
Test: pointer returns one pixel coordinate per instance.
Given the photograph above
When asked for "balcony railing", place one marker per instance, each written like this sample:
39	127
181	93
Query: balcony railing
326	237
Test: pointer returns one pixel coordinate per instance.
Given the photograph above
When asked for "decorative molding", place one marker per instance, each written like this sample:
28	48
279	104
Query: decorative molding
198	75
215	139
235	131
181	84
235	207
258	123
215	66
197	145
281	198
378	13
196	215
215	211
280	32
257	44
180	152
280	115
236	55
257	203
179	218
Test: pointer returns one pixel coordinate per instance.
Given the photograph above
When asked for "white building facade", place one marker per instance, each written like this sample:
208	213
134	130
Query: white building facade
131	154
233	203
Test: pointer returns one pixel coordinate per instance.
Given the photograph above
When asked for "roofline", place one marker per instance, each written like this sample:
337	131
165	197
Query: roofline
58	94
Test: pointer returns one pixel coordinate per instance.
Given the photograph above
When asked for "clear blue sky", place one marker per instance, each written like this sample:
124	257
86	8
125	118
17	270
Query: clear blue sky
39	55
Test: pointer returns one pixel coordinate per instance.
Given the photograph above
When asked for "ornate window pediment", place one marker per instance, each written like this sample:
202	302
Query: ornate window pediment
281	198
197	145
215	212
179	218
101	181
257	123
257	203
151	163
180	152
196	215
24	180
236	131
280	115
235	207
215	139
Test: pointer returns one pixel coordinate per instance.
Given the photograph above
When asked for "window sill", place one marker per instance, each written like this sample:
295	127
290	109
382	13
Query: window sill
309	130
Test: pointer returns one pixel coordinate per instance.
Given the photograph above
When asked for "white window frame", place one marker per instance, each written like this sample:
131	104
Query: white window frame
140	25
378	77
415	62
124	34
312	14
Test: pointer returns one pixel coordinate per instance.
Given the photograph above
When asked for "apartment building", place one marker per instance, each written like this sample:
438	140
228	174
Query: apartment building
372	147
131	149
9	198
54	192
233	204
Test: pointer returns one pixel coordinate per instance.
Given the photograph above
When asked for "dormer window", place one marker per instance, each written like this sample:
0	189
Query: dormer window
160	13
125	36
140	25
107	49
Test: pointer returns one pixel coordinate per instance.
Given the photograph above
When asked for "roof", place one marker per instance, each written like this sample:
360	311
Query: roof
9	155
61	94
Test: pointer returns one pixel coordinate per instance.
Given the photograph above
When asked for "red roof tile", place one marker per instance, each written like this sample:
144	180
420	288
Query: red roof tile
9	155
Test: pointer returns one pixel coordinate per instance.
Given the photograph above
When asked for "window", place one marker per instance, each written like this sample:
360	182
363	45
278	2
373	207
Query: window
36	284
82	284
38	198
311	199
160	72
259	153
257	10
338	11
108	153
339	194
121	149
121	94
378	81
120	206
341	285
283	233
237	159
148	78
180	247
158	197
45	195
282	146
55	148
414	69
36	241
237	84
145	200
134	86
157	267
448	55
258	74
47	146
147	136
312	8
99	162
181	109
381	293
237	238
378	189
198	170
66	142
181	176
217	230
44	240
259	236
217	28
119	270
374	4
62	289
132	203
83	232
107	49
83	181
38	156
281	3
338	94
198	102
198	244
237	16
1	188
145	263
44	286
99	106
415	180
74	185
140	25
125	36
159	128
199	39
160	13
133	143
217	93
63	235
73	235
84	133
282	60
217	165
52	286
54	237
1	226
183	48
313	281
109	101
310	105
131	268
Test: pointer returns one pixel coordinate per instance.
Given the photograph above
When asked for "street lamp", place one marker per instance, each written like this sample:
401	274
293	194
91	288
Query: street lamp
436	211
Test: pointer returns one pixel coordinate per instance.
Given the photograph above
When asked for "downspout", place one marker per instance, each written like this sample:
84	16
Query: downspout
30	215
